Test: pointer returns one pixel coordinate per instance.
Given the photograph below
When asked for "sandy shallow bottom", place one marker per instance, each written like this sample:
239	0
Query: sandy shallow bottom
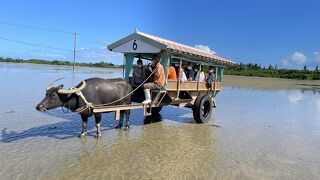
254	134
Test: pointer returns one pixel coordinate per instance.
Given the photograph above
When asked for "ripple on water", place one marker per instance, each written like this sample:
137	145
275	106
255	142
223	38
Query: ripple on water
255	135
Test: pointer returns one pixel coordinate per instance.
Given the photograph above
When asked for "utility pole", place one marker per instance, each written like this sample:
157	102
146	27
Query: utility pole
74	52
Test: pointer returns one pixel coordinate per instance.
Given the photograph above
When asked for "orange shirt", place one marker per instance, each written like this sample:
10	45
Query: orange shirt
172	73
159	75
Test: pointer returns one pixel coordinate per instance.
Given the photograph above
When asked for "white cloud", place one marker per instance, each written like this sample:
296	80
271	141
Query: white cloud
83	55
99	54
96	53
297	58
285	62
46	54
204	48
317	56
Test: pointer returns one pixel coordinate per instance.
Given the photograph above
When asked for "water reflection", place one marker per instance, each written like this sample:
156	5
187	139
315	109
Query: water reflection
295	97
71	125
156	150
254	134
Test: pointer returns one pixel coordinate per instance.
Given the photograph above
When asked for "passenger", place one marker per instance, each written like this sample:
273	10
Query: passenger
189	72
139	73
211	76
172	73
183	77
158	80
199	74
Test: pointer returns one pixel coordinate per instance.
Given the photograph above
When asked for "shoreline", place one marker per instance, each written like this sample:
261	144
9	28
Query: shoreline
269	83
234	81
54	65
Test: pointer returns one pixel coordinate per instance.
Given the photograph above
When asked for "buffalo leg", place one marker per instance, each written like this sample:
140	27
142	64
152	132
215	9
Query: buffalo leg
120	121
98	124
84	125
127	112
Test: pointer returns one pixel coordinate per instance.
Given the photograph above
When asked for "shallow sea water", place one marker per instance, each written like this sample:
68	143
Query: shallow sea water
253	134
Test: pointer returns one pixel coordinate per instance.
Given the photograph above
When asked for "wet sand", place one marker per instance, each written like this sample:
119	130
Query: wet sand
270	83
253	134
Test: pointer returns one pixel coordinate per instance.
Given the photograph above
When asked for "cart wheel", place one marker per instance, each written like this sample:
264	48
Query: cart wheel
202	109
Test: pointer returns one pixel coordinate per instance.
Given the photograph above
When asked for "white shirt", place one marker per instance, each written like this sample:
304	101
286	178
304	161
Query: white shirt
201	75
183	77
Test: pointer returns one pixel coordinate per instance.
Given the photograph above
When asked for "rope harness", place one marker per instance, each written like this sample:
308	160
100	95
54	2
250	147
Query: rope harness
100	105
90	105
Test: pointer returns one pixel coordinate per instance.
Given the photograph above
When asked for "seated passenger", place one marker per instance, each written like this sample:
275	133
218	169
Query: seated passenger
199	74
189	72
139	74
211	76
183	77
172	73
158	80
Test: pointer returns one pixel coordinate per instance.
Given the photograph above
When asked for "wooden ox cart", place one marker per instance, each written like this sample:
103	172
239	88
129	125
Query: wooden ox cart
191	94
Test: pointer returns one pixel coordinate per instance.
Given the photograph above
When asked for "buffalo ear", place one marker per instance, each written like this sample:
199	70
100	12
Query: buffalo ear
60	87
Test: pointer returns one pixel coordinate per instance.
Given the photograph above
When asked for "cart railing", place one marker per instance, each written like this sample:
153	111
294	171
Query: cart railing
192	86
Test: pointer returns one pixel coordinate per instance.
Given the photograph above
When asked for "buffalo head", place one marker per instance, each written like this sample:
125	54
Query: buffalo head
57	96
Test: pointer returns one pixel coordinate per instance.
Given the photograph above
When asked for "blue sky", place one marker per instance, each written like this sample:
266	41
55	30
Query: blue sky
280	32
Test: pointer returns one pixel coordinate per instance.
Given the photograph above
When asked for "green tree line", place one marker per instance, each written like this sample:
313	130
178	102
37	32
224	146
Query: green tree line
59	63
250	69
256	70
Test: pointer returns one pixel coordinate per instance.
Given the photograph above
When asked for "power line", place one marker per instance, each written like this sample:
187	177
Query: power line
36	45
36	28
51	30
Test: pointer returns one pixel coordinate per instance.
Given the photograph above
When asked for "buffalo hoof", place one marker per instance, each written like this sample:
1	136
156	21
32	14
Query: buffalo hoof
127	127
119	126
84	134
98	135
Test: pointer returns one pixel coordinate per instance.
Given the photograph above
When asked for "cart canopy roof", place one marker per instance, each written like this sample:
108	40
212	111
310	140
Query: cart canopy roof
139	42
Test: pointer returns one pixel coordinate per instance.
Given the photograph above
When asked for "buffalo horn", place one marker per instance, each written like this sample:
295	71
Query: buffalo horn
49	86
72	90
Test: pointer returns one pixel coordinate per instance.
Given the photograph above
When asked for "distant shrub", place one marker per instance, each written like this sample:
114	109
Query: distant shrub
60	63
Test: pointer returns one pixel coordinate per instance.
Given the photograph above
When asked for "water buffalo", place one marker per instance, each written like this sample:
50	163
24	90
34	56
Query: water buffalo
96	91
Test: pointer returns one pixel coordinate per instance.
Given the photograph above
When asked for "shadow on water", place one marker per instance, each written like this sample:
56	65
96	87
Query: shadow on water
71	127
52	130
